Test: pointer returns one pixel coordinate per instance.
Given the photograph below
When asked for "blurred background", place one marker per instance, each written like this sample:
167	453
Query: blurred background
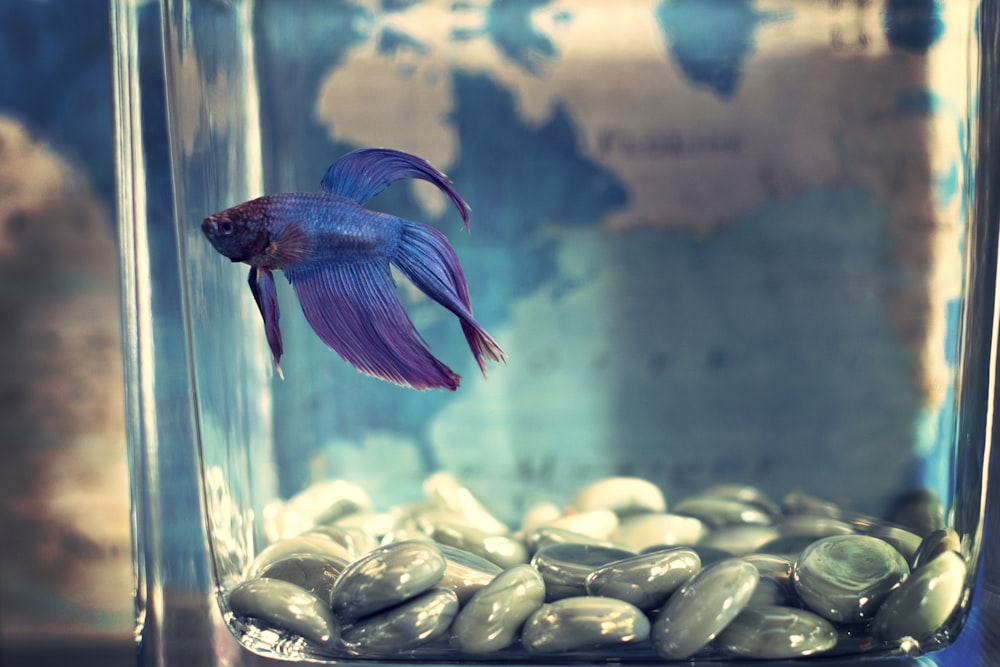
65	566
65	569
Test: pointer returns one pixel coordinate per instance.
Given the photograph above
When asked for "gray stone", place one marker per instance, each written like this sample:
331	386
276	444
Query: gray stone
709	555
296	546
353	542
813	526
845	578
284	605
407	626
702	607
746	494
904	541
315	573
924	602
645	581
584	622
777	632
797	502
465	573
775	586
565	567
502	550
491	620
936	543
717	512
787	547
386	577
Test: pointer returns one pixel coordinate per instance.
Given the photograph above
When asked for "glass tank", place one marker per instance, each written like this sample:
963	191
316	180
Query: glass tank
740	257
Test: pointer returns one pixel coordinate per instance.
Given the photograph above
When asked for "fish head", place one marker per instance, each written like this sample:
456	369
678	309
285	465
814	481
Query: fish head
239	233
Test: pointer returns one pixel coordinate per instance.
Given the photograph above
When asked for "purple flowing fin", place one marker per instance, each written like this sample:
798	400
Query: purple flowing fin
266	295
426	258
362	174
354	309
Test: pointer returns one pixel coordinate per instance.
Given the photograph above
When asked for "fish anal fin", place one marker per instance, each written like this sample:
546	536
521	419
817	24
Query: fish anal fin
354	309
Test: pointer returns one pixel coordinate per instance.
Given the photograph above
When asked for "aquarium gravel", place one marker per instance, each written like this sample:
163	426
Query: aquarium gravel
613	574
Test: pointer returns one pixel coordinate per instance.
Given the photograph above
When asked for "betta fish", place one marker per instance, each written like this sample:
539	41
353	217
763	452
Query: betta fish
336	255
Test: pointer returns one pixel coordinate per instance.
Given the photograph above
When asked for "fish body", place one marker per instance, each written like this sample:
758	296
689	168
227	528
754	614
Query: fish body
336	254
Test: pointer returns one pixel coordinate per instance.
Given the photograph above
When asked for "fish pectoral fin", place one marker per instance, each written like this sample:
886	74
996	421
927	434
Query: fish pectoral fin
290	246
266	295
362	174
427	259
354	309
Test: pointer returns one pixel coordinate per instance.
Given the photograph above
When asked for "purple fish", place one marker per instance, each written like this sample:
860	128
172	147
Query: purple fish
336	255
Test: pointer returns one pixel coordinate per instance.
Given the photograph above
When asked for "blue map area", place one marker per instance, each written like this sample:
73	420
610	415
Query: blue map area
710	40
525	180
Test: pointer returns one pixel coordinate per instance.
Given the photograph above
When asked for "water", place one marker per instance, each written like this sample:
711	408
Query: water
721	242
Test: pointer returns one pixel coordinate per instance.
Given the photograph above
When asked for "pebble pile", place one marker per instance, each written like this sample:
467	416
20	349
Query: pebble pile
614	574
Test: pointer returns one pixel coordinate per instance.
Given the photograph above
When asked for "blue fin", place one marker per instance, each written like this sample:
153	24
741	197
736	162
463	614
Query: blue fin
362	174
354	309
266	295
428	260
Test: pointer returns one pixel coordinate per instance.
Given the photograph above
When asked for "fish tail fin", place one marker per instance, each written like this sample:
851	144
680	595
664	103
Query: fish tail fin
427	259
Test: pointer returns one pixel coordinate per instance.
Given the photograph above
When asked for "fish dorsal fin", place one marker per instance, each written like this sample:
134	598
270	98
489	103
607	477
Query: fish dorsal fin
363	173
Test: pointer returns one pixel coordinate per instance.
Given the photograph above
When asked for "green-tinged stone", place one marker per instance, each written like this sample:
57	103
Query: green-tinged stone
645	581
904	541
584	622
565	567
414	623
314	544
746	494
315	573
465	573
813	526
491	620
936	543
845	578
502	550
777	632
775	586
702	607
924	602
386	577
717	512
284	605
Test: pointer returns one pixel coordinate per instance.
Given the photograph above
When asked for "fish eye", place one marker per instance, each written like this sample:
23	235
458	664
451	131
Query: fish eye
226	228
